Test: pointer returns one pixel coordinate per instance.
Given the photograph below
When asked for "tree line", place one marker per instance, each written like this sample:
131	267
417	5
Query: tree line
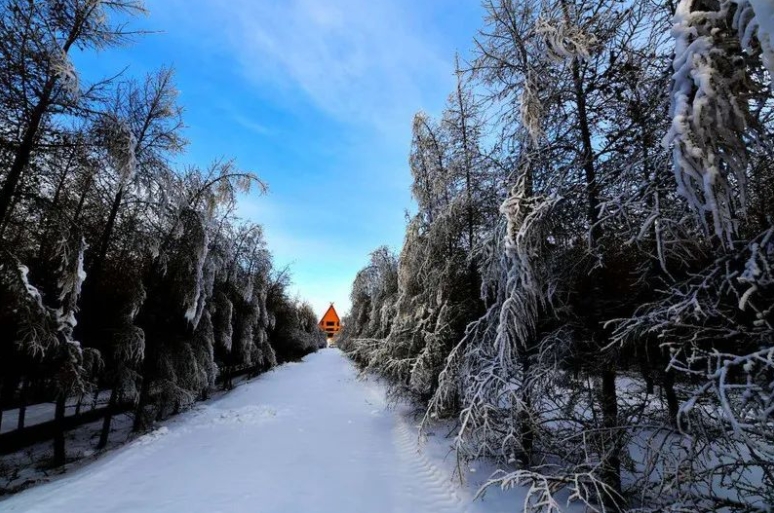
587	284
120	269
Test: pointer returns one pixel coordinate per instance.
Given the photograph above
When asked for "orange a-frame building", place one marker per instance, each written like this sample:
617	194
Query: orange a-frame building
330	322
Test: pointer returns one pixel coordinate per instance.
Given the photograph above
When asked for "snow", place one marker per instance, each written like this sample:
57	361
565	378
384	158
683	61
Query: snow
308	437
31	290
66	72
704	99
764	16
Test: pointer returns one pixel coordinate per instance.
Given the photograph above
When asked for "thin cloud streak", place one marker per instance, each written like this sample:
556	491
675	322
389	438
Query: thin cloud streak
363	63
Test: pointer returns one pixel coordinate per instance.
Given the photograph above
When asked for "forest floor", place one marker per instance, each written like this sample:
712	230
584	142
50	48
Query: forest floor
306	437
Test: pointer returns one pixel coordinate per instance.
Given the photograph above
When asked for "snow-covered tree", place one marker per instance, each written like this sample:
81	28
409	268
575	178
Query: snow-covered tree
36	39
174	286
594	263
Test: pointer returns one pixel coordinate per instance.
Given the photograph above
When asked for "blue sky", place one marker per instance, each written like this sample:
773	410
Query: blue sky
316	97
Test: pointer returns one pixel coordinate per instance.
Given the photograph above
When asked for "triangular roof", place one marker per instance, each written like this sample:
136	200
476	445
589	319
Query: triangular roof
330	315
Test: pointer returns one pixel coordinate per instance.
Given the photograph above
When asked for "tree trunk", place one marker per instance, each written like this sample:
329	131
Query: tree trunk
23	153
8	387
60	456
526	430
649	387
47	222
107	234
647	372
105	433
4	224
23	403
527	434
2	404
140	422
673	405
592	187
611	463
467	156
611	445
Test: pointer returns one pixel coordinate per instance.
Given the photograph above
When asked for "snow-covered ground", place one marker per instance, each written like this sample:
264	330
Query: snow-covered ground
307	437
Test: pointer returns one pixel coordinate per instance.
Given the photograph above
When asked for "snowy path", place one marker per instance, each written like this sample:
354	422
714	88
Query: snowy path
305	438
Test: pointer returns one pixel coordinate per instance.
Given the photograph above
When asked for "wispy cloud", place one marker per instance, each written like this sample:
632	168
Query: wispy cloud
363	62
251	125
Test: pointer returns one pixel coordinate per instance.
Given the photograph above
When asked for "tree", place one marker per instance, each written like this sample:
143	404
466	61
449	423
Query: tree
616	316
175	287
37	38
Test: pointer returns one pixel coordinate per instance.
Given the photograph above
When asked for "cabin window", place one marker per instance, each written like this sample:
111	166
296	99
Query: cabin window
330	323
